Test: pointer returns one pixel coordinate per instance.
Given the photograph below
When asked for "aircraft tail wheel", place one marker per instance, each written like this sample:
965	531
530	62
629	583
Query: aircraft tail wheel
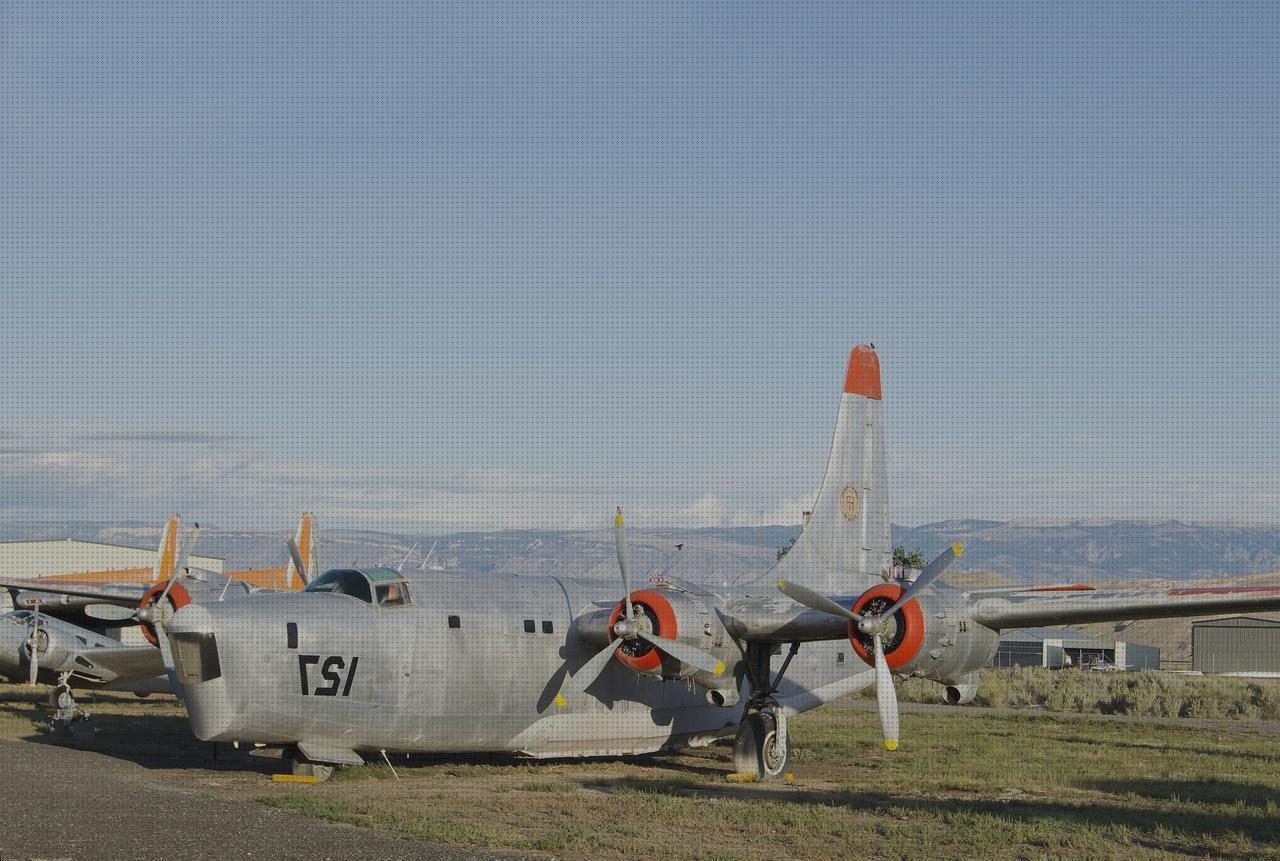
759	748
303	767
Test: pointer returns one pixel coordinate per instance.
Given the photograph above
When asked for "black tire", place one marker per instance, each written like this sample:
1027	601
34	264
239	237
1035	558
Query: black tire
756	751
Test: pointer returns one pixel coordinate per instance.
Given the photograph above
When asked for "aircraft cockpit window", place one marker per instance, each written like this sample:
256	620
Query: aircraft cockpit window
393	594
343	582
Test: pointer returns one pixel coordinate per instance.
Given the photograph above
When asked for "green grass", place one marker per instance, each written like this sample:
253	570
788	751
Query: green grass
961	786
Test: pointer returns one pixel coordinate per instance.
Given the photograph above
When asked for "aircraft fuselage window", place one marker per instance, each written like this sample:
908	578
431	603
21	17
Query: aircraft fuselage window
529	626
547	627
455	622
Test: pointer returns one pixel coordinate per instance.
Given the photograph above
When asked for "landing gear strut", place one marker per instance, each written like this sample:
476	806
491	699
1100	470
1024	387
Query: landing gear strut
762	748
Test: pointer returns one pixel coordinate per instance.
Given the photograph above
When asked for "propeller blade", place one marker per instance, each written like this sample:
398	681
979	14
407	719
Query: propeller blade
932	572
296	555
690	655
814	601
166	656
110	612
886	697
619	539
178	575
33	659
184	557
587	673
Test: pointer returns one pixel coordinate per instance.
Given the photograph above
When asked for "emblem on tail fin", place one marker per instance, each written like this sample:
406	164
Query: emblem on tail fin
850	504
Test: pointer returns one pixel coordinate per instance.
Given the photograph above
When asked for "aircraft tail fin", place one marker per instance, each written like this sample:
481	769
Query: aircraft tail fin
167	552
305	539
845	538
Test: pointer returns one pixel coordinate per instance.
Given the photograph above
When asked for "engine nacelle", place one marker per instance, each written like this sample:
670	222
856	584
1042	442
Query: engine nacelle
55	648
673	615
930	636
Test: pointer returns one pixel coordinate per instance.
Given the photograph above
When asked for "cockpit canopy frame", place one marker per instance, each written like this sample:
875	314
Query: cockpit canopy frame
384	587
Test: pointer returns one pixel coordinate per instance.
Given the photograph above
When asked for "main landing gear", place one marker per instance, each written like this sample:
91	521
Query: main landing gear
762	748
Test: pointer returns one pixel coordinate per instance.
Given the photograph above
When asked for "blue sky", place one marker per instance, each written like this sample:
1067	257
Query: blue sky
509	265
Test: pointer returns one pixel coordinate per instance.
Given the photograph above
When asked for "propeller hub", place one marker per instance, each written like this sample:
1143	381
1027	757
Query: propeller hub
873	625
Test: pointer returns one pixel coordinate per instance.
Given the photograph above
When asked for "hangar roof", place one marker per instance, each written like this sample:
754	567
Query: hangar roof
1239	622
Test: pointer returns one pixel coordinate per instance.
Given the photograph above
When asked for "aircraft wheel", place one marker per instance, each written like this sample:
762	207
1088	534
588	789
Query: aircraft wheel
60	697
758	750
303	767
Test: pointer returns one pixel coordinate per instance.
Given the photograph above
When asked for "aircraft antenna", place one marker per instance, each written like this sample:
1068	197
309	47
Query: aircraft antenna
400	567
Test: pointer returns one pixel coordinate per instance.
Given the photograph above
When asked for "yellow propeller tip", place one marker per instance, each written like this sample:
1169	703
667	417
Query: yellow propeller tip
561	701
617	521
890	744
957	549
719	667
782	584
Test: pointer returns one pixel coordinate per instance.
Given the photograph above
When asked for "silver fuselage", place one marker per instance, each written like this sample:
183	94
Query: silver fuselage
486	685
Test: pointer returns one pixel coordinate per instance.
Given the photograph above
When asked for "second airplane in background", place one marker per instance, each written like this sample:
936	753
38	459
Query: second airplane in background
65	629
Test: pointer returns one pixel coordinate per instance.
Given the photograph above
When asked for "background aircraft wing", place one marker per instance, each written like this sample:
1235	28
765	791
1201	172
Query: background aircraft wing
123	594
120	662
1069	605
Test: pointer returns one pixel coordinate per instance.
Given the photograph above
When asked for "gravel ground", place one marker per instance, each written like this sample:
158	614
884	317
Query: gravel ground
64	803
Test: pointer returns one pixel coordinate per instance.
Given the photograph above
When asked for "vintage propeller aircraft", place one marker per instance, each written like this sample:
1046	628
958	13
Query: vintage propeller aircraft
62	631
369	660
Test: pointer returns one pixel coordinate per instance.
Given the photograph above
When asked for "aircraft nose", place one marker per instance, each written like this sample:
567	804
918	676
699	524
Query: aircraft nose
195	646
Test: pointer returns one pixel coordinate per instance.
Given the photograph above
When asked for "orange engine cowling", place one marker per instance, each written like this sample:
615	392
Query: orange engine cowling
639	655
177	598
902	643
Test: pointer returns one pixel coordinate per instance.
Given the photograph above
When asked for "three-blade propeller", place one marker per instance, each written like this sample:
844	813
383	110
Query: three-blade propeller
632	626
875	627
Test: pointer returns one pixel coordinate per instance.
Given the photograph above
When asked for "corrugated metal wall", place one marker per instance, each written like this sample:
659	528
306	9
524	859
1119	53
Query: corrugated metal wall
1236	646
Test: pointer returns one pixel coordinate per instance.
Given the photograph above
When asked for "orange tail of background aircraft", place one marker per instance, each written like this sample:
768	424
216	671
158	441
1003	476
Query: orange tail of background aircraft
169	554
286	576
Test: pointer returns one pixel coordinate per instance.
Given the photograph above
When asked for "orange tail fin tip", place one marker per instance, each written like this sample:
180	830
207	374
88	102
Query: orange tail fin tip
863	375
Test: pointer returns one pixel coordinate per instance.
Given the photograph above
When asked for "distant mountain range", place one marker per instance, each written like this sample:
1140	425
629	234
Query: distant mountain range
1022	551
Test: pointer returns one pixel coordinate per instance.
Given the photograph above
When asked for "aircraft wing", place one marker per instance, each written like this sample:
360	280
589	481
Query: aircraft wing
1068	605
123	594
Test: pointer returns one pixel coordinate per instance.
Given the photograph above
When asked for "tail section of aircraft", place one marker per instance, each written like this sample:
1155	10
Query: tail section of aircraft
167	552
846	536
304	538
